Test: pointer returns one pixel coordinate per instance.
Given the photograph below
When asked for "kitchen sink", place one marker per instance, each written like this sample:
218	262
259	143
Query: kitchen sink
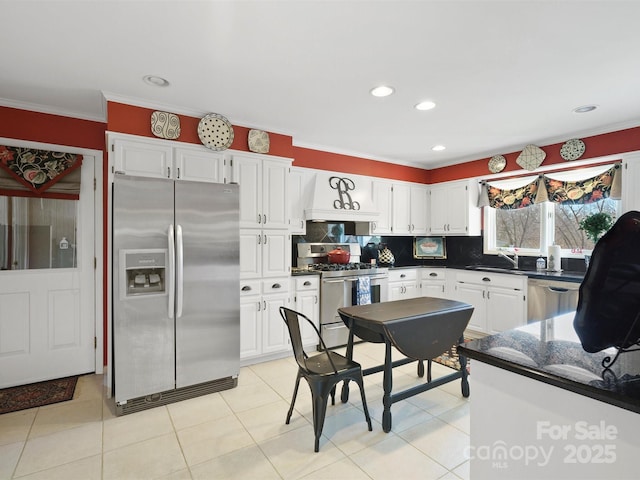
486	268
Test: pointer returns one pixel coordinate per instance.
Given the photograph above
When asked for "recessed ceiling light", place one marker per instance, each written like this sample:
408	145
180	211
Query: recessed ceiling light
438	148
585	109
155	81
426	105
382	91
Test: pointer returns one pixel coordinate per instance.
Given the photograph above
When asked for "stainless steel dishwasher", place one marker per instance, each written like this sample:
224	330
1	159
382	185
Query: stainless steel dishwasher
548	298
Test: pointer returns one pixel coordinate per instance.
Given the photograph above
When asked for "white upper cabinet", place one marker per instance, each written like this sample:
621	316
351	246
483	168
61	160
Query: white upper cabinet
401	209
382	195
264	190
453	208
299	186
410	214
199	164
419	209
142	157
148	157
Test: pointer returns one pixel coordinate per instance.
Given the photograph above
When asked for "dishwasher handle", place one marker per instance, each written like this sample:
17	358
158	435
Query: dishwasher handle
559	290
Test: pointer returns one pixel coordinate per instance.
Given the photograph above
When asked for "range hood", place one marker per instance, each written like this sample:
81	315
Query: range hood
340	198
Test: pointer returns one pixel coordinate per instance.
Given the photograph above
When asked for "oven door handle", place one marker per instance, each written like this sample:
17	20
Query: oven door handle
342	280
379	277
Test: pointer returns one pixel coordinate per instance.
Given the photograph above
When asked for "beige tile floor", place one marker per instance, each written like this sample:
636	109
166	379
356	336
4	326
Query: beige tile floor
240	433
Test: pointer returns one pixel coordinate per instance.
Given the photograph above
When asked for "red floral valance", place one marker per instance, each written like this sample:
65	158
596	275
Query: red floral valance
513	198
603	185
34	171
581	192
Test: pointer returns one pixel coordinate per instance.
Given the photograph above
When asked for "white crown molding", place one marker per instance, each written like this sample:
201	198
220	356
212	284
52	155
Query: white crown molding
137	102
48	109
542	143
324	148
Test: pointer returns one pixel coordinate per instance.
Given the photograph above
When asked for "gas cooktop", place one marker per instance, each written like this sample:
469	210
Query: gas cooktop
347	269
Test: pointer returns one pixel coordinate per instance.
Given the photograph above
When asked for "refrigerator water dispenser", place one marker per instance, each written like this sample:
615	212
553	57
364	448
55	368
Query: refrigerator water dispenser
143	272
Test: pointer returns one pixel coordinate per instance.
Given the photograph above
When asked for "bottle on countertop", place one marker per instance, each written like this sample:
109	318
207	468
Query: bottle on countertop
541	264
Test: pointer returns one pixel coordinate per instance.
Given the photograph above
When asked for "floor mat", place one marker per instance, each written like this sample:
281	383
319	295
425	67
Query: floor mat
38	394
450	357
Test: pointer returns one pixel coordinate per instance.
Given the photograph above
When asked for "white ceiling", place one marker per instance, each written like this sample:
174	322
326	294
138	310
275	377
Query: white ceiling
502	73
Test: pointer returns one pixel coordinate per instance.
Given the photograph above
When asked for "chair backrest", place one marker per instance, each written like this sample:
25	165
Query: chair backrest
609	302
292	319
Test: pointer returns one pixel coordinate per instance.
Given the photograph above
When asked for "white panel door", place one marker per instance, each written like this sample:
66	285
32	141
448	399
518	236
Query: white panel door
47	319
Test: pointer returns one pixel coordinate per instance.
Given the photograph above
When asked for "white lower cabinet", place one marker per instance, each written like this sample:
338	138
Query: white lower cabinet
262	330
404	284
306	300
434	282
499	300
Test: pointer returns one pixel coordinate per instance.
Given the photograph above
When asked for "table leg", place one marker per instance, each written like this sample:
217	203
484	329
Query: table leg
344	395
387	383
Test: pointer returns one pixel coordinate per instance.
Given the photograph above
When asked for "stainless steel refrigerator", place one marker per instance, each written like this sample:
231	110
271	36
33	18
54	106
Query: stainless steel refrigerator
176	303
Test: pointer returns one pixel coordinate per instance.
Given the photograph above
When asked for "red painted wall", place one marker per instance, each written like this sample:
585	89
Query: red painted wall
61	130
613	143
136	120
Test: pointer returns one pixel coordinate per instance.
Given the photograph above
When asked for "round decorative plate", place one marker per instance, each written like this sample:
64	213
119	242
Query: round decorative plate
215	132
497	163
572	149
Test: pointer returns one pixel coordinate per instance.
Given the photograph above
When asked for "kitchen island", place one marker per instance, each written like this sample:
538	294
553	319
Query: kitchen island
545	408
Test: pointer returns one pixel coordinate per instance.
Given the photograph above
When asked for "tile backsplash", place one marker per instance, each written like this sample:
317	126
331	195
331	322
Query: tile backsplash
461	251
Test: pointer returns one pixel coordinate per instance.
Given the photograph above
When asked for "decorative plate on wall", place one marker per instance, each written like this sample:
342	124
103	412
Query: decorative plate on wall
165	125
215	132
572	149
531	157
497	163
258	141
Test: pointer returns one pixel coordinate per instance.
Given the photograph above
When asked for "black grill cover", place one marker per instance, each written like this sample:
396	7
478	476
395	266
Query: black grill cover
609	301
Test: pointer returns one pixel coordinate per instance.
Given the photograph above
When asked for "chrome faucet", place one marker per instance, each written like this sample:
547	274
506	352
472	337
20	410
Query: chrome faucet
514	260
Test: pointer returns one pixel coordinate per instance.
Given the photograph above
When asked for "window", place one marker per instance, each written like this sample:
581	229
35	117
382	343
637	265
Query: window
533	228
37	233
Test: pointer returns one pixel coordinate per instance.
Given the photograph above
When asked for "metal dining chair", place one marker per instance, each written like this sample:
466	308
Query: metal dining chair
322	371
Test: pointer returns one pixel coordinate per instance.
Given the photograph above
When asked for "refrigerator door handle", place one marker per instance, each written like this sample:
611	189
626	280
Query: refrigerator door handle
179	271
172	268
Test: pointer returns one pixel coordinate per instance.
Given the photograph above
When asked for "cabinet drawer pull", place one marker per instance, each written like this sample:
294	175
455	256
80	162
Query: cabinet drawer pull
276	285
402	275
246	288
433	274
486	279
307	283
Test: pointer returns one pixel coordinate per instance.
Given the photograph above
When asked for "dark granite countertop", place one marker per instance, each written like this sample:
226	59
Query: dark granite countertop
550	351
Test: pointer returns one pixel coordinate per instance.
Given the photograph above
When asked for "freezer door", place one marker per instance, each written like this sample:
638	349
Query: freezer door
208	293
143	332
